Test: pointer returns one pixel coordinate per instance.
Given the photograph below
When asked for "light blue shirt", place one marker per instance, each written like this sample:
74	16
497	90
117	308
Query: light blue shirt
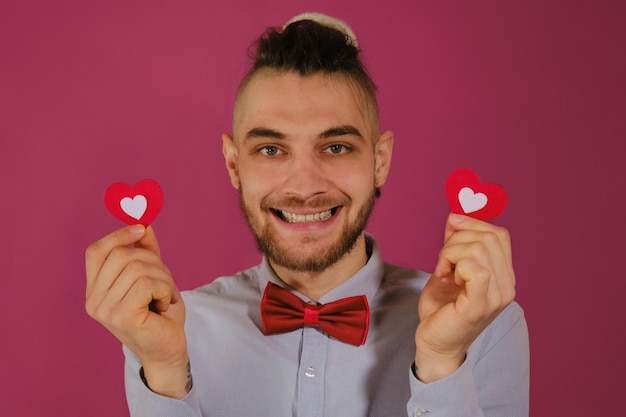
239	372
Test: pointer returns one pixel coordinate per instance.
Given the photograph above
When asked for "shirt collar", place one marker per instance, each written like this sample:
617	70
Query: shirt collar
366	281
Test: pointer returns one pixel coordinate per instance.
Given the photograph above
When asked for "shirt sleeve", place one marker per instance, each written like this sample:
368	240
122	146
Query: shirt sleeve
142	402
493	380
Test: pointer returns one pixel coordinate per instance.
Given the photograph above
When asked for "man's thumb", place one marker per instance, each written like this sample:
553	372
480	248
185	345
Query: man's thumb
149	241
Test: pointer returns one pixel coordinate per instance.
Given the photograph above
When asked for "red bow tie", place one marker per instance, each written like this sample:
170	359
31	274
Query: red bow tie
346	319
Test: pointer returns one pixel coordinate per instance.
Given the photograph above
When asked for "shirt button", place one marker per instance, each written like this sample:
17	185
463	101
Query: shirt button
310	372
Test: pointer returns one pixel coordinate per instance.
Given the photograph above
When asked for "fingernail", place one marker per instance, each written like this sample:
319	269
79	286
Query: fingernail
137	229
457	218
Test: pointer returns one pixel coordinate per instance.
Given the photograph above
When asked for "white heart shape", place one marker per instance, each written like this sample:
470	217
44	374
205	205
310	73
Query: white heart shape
471	201
135	207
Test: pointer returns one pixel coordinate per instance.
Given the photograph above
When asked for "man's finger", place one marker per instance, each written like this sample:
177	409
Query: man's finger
157	295
456	222
452	254
124	264
97	253
149	241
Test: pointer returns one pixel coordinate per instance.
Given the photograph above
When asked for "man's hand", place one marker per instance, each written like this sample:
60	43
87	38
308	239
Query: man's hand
472	283
131	292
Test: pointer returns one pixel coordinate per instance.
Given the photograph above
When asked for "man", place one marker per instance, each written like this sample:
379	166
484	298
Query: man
308	159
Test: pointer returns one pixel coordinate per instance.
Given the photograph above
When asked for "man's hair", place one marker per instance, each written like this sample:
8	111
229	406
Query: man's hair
307	48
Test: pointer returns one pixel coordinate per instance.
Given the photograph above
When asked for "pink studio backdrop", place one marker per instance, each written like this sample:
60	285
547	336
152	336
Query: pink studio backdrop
530	94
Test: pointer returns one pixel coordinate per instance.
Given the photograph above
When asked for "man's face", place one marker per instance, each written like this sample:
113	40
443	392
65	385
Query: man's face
306	163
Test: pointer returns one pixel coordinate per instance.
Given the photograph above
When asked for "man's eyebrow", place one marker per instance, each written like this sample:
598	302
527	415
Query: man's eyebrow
341	131
262	132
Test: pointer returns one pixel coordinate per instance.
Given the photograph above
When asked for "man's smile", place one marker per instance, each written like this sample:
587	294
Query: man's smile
305	218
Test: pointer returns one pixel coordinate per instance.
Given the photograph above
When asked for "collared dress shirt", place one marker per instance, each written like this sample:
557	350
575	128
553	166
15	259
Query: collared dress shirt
240	372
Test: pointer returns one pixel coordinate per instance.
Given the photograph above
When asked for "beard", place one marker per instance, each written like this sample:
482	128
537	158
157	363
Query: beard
269	244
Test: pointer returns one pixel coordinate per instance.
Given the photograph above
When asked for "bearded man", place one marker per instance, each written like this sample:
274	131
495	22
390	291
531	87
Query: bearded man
323	326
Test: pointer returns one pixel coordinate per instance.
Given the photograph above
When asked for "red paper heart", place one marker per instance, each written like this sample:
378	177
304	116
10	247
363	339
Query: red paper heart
468	196
137	204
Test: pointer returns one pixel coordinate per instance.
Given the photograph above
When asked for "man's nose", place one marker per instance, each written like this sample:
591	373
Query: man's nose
306	176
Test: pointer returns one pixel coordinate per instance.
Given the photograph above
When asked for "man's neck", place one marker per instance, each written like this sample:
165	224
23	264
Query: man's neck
315	284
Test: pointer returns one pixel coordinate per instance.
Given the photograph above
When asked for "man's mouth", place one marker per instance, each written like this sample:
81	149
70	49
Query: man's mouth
305	218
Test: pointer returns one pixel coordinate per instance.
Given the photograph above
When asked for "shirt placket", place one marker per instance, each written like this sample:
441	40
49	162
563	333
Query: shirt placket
311	373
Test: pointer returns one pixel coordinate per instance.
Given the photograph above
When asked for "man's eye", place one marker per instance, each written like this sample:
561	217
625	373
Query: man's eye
336	148
270	150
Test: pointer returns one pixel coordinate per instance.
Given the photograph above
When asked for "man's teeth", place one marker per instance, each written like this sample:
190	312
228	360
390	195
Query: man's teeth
302	218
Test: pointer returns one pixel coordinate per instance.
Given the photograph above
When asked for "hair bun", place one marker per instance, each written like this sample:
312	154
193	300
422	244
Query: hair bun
328	21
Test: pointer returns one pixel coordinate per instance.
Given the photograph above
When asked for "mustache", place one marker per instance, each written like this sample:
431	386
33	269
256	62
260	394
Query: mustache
293	202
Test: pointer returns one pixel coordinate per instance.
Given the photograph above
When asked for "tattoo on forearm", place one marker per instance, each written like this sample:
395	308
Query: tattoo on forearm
188	385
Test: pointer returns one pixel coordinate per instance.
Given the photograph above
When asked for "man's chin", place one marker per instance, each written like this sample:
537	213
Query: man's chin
302	263
308	254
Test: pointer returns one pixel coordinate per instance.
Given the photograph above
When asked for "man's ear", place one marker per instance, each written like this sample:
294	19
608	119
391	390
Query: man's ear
231	154
382	154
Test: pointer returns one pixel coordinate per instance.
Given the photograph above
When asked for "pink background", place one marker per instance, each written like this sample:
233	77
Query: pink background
531	94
